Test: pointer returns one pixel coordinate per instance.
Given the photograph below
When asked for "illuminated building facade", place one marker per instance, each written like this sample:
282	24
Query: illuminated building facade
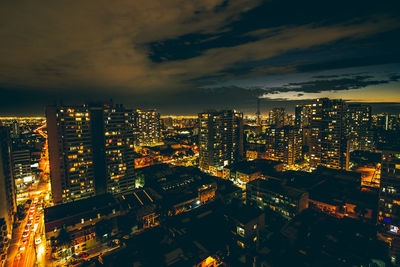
303	115
358	123
389	201
220	139
113	147
328	144
15	130
70	153
277	117
387	122
147	127
91	151
284	144
8	205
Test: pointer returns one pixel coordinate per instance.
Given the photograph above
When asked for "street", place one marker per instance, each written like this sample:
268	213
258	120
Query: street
28	244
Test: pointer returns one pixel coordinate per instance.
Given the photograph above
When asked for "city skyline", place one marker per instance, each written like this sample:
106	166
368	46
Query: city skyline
185	58
202	133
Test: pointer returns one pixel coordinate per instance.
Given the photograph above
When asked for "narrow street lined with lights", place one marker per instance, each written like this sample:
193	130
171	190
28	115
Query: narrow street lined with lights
28	240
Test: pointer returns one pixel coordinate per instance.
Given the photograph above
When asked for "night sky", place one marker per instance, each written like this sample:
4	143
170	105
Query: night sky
185	56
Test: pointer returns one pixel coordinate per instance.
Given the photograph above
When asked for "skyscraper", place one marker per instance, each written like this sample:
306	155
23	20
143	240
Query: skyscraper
303	115
328	143
147	127
70	153
220	139
358	127
389	201
284	144
91	150
113	146
277	117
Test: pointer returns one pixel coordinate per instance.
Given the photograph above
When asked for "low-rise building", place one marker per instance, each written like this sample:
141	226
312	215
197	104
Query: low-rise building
246	171
339	194
245	223
78	219
21	165
179	189
143	212
272	194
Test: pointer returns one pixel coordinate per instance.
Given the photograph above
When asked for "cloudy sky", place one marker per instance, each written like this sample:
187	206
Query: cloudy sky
182	56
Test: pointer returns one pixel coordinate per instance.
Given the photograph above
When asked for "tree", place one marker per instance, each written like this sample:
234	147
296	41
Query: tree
63	238
103	227
139	179
21	211
126	222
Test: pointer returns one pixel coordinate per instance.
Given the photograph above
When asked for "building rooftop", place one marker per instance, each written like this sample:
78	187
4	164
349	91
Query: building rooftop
349	176
175	184
243	213
96	203
336	192
258	165
299	179
226	187
276	186
74	212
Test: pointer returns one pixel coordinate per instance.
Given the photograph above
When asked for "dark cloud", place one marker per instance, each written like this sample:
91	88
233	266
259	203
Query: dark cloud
326	76
321	85
336	84
337	75
395	77
349	62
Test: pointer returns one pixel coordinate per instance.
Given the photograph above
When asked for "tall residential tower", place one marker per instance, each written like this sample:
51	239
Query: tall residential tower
91	150
389	201
328	143
220	139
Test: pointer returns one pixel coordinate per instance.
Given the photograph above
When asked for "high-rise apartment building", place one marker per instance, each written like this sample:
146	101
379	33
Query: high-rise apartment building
387	122
91	150
70	153
168	123
147	127
113	147
328	143
389	202
358	127
220	139
303	115
15	130
284	144
277	117
8	205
